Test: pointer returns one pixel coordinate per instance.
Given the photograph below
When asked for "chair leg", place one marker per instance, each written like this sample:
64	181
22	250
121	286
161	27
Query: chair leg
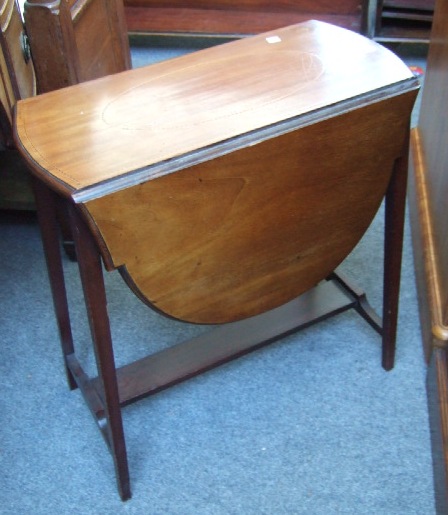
95	297
393	249
46	205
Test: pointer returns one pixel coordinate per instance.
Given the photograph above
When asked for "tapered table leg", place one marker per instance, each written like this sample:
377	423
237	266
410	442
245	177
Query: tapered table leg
96	303
393	249
46	205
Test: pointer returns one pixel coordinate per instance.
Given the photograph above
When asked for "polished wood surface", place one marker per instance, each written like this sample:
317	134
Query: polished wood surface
429	222
241	234
430	188
433	135
149	121
76	41
233	232
239	17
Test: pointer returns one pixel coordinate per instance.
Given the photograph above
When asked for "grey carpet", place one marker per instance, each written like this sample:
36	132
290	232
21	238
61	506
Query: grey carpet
310	425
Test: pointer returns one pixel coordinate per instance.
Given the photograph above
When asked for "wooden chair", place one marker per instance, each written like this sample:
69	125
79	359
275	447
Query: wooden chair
70	41
429	220
17	81
73	41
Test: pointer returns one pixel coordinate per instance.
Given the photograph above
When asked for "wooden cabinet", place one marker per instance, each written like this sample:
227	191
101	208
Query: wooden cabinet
383	20
428	195
404	20
239	16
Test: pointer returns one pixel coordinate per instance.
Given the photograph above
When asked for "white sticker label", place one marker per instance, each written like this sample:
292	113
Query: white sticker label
273	39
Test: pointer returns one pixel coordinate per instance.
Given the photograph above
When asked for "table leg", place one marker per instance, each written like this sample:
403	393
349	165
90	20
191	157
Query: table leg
95	297
393	249
46	205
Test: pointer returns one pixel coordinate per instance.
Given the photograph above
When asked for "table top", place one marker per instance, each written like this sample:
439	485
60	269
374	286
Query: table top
98	137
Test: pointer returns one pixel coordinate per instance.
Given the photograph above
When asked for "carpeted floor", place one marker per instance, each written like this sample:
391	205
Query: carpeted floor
311	425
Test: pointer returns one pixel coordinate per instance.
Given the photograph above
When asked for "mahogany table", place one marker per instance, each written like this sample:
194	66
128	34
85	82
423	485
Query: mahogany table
226	186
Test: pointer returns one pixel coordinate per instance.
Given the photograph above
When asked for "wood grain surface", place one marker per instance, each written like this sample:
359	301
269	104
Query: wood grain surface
228	182
97	133
248	231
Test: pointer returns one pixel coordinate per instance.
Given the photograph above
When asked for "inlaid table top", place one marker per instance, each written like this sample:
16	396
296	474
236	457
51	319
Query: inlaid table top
229	181
104	135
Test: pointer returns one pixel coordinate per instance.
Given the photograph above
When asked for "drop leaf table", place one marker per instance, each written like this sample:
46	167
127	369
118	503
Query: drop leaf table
226	186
